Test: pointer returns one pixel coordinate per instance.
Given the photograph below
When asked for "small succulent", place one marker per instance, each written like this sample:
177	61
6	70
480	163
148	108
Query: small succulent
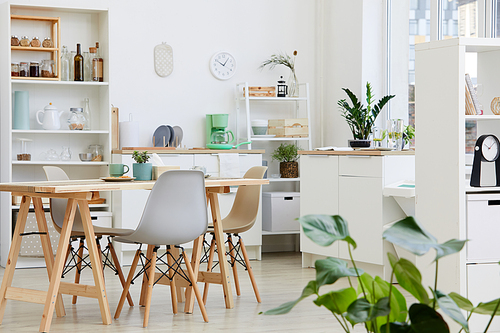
140	157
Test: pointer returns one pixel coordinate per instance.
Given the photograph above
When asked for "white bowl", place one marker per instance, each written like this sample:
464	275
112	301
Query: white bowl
259	130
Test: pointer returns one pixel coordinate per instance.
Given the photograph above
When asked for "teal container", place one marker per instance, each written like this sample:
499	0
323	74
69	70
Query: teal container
143	171
21	111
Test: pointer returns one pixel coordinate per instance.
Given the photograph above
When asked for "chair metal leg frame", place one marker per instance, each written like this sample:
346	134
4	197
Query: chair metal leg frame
237	254
173	267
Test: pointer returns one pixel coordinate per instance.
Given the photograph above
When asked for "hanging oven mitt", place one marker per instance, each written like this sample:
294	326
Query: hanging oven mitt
164	59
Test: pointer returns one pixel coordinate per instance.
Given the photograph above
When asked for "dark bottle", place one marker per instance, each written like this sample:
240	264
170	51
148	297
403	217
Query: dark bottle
78	64
97	66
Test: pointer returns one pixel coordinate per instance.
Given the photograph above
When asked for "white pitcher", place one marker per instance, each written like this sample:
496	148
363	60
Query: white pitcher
50	117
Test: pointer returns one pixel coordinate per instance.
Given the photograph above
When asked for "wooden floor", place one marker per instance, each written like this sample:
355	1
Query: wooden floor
280	278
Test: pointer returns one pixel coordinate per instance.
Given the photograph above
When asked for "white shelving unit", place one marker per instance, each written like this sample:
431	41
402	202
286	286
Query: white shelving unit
273	108
441	184
77	25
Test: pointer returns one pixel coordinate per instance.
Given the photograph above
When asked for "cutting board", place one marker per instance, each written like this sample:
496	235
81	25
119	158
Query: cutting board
115	135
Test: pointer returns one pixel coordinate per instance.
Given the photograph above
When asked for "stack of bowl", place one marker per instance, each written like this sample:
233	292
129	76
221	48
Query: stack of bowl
259	127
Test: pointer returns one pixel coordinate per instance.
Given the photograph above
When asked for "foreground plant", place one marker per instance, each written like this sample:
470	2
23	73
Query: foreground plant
376	303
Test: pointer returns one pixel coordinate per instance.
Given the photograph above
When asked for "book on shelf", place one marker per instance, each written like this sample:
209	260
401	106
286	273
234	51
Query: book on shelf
469	105
473	96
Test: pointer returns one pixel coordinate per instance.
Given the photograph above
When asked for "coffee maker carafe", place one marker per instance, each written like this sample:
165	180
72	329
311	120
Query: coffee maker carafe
216	130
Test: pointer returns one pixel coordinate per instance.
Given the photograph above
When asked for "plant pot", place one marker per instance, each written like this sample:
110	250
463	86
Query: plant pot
357	143
289	169
142	171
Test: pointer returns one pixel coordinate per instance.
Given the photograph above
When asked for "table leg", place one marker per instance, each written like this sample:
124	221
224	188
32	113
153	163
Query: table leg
195	263
48	253
221	250
13	252
55	279
95	259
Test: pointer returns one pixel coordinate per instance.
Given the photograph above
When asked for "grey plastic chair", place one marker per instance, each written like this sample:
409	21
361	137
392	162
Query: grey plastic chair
77	260
240	219
175	213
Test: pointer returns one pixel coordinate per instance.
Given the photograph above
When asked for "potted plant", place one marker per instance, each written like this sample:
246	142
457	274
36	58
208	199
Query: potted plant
377	304
361	118
287	155
287	61
408	135
141	169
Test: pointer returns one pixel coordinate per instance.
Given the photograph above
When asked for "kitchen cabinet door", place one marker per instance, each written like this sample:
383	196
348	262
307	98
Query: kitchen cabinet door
318	195
483	286
361	205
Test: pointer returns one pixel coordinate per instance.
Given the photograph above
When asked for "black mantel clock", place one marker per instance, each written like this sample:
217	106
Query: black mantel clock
486	149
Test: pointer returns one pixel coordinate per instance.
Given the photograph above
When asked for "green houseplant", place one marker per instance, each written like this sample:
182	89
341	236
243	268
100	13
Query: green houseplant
141	169
377	304
360	118
287	155
287	61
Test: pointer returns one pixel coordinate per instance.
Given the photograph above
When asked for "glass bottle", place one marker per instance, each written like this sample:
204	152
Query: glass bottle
72	65
87	66
65	64
78	60
86	114
97	66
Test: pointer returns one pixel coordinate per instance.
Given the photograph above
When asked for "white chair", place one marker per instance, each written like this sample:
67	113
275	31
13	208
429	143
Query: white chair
175	213
77	260
240	219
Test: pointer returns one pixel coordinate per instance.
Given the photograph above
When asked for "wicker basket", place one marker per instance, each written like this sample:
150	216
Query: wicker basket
289	169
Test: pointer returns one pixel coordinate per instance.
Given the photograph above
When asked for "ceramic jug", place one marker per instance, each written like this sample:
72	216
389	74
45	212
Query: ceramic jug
50	117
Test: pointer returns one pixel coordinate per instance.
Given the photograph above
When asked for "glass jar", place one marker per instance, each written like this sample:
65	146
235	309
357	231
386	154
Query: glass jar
47	42
76	120
65	154
34	69
14	41
24	69
25	41
96	151
35	42
47	68
14	69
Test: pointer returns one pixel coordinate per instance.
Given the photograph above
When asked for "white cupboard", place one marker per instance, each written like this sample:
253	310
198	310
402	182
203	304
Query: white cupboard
351	185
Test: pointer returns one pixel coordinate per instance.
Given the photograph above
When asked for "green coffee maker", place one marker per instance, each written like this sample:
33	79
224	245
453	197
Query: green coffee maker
218	137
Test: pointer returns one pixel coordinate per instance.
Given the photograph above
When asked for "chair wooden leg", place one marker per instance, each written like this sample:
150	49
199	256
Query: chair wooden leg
249	269
126	287
149	290
209	269
195	287
78	267
149	254
119	270
232	254
173	289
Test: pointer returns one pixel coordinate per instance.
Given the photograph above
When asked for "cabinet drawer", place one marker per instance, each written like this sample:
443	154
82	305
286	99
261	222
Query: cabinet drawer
361	166
209	161
183	160
482	286
249	160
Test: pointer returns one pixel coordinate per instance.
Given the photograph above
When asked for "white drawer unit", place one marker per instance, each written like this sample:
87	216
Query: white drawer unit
483	286
361	166
280	211
483	228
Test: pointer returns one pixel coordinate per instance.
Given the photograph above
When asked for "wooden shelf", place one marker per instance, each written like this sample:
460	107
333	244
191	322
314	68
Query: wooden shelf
35	49
60	132
79	163
35	80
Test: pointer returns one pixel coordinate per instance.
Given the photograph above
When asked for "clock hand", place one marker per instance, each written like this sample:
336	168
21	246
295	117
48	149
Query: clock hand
224	64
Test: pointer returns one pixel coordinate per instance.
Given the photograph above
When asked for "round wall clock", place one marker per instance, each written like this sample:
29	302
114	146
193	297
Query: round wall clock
223	65
486	149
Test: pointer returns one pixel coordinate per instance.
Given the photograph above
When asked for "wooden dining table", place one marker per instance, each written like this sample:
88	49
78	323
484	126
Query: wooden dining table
78	193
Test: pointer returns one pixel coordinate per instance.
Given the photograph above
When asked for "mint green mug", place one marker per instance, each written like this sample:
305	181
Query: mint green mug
117	169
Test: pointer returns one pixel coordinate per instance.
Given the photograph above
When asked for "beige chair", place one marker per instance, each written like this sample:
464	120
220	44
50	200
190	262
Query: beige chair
240	219
77	260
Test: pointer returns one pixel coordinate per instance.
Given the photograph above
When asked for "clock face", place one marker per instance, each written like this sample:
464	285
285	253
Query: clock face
490	148
223	65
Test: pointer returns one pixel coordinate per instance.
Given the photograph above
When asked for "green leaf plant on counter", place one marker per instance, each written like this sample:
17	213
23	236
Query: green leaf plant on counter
377	304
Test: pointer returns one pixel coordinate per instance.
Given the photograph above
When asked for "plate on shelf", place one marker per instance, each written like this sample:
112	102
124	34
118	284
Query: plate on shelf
161	136
117	179
264	136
